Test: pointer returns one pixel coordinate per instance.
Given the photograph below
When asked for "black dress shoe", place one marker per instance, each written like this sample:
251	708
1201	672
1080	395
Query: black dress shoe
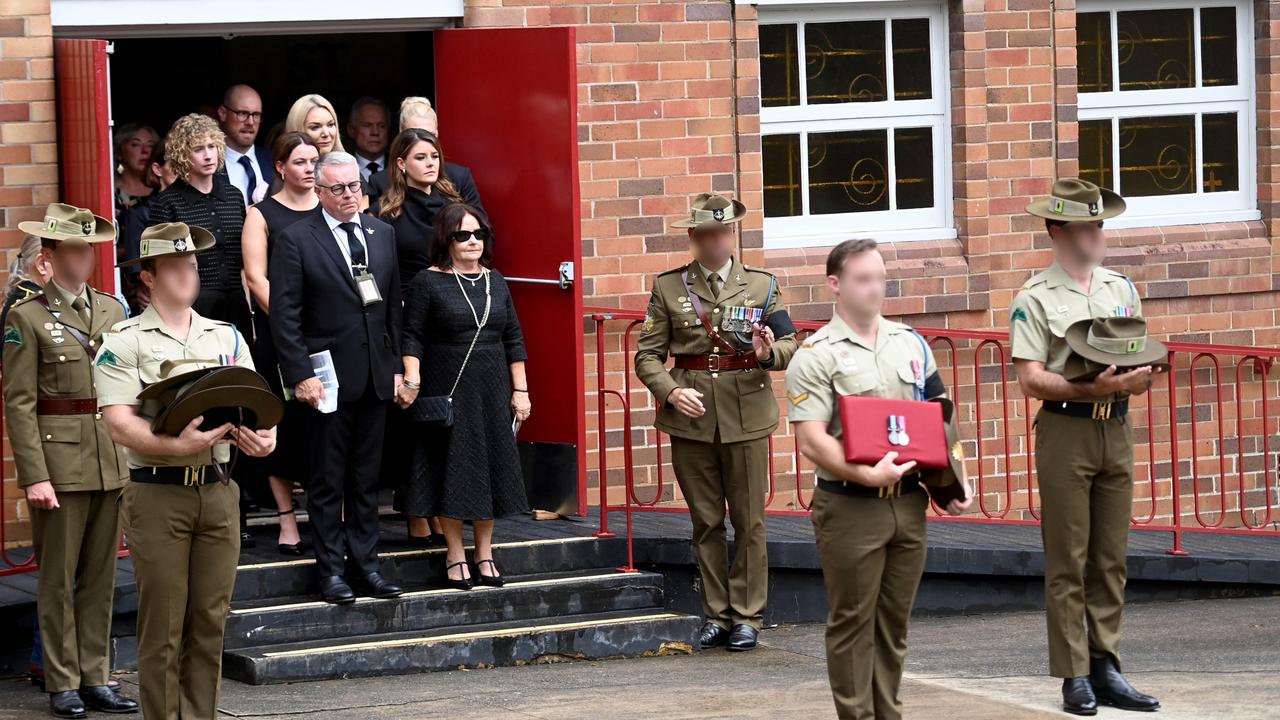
67	704
712	635
335	590
1112	689
1077	697
462	583
247	540
743	637
377	586
494	580
101	698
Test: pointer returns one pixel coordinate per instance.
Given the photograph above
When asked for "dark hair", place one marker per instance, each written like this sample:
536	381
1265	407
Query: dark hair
449	220
391	204
1051	224
148	265
365	100
845	250
284	145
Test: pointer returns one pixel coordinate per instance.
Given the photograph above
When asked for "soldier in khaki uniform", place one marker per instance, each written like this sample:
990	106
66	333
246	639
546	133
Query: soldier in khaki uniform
67	464
869	520
725	325
1084	447
180	516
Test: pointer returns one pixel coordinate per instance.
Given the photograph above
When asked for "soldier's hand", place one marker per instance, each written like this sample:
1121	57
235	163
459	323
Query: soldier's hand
310	391
193	440
1134	382
42	495
887	471
762	341
959	507
688	401
254	443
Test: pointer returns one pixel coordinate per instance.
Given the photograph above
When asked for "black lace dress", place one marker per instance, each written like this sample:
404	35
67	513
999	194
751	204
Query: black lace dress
472	470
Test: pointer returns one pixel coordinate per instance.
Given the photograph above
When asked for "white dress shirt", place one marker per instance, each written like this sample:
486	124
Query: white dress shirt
364	165
340	235
237	175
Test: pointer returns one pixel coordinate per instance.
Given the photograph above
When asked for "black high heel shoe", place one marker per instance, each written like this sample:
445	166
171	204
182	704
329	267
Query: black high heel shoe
296	549
494	580
463	584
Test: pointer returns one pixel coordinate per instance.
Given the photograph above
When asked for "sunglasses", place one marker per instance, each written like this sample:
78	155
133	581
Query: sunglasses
461	236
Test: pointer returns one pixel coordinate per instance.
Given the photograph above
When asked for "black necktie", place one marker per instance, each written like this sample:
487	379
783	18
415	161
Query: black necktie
373	168
353	244
247	164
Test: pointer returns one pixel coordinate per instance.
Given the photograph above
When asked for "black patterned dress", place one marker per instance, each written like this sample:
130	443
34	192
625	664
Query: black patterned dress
472	470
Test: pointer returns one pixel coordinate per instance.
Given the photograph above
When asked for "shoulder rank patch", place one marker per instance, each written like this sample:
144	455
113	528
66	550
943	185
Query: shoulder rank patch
798	398
647	327
1018	314
106	357
12	336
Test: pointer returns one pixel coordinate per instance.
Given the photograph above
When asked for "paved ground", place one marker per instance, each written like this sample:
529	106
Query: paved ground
1204	659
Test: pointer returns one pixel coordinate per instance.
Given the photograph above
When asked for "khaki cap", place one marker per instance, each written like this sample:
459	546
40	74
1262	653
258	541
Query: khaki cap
170	239
68	223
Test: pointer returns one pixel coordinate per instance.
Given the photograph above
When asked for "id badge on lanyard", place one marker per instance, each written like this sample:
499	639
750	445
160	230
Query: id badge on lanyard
367	287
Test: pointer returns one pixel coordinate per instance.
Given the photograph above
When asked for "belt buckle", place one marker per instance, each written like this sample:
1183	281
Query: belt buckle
1102	410
192	475
713	363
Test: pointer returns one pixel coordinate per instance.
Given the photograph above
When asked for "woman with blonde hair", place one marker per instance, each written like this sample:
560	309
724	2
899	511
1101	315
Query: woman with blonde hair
314	116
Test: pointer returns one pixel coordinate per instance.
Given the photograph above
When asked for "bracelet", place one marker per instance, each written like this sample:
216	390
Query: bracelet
411	384
526	392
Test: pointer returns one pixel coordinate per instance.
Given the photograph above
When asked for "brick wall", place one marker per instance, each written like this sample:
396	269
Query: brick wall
28	156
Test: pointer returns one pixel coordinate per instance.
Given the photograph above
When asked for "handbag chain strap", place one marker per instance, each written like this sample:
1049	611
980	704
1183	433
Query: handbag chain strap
480	323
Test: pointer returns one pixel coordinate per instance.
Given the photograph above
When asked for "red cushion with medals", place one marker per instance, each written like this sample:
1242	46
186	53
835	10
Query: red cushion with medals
874	426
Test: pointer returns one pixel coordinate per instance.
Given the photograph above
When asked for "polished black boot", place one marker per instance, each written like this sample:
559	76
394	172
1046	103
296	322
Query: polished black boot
377	586
1112	689
336	591
101	698
712	635
743	637
1078	697
67	704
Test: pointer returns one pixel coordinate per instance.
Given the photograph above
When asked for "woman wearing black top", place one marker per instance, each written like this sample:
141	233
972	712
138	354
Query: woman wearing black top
295	157
417	190
461	328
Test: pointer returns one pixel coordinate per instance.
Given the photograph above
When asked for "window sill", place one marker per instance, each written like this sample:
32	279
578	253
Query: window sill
1126	222
828	240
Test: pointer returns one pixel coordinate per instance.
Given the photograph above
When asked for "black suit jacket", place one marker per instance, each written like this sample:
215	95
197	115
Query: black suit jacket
315	307
265	163
459	175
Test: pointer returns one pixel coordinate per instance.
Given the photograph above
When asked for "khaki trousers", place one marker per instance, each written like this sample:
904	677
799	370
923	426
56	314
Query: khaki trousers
711	474
1085	472
185	543
76	547
872	552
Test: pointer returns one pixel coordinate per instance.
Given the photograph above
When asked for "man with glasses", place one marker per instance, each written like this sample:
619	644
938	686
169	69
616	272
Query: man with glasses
249	166
1084	447
335	287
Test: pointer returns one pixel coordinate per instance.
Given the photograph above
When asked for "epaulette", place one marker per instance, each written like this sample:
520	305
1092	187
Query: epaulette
126	324
1039	278
25	300
680	269
762	271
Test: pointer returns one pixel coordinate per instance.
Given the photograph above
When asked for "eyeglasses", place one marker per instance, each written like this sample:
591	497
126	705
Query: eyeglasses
352	187
245	115
461	236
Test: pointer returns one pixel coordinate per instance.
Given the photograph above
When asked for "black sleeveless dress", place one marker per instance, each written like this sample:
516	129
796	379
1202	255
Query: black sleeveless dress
290	459
472	470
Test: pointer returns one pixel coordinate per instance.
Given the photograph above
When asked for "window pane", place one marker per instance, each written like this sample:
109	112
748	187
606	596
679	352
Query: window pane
911	79
848	171
1157	155
779	66
845	62
1093	51
782	175
913	161
1218	46
1095	153
1156	50
1221	166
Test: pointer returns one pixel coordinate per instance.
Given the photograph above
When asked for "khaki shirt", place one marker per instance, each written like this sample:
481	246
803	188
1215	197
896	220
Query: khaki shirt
835	361
1051	302
43	360
740	403
130	360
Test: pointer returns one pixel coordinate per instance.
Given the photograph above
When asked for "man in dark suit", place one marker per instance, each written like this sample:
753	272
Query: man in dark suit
416	112
335	286
248	167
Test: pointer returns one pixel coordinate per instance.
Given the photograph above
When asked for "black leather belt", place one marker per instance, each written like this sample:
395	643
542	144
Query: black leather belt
67	406
189	475
718	363
1093	411
909	484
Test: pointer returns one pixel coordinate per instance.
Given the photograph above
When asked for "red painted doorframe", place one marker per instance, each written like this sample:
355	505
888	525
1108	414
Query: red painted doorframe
84	138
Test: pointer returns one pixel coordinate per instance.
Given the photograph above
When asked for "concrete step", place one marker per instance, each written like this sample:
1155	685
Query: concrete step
628	633
297	578
261	623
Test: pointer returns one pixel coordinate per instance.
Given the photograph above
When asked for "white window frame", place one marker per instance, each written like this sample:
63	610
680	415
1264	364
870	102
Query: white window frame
892	225
1187	208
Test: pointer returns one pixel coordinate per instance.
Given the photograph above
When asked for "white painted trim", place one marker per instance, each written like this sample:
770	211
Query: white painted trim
1134	220
829	239
153	18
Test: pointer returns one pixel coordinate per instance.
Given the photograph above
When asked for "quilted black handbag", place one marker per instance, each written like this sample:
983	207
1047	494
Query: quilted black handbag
437	410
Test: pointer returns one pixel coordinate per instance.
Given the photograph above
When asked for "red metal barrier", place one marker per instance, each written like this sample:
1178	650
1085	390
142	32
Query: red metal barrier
1161	512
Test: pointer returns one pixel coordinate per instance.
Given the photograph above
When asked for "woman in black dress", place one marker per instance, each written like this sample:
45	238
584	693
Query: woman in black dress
417	189
461	328
295	157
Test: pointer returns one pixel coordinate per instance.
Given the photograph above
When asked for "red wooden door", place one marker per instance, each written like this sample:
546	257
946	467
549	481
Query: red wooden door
507	101
84	138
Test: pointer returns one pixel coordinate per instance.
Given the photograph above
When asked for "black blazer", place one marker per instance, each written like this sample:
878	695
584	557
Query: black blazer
315	307
266	164
459	175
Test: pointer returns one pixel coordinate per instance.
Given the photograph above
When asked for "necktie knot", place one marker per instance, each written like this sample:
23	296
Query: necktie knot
82	309
715	283
373	168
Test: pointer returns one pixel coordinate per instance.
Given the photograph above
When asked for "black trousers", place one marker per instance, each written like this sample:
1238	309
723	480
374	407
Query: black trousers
342	492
